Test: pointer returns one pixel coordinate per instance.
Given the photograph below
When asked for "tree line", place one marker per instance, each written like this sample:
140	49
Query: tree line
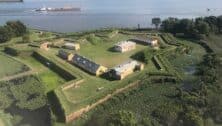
12	29
198	27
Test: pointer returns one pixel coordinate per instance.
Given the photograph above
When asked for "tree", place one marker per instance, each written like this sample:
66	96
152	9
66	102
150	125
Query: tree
156	22
219	21
193	119
122	118
169	24
185	26
203	27
17	27
4	34
167	113
212	21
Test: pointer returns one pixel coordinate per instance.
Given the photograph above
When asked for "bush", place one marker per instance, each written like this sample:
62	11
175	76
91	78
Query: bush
17	27
122	118
167	113
4	35
29	95
193	119
93	39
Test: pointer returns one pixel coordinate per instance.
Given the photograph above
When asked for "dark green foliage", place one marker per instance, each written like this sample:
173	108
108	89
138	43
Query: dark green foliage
5	100
193	119
167	113
219	21
193	28
4	36
202	27
145	55
169	25
215	106
208	69
17	27
122	118
12	29
11	51
26	92
29	96
56	106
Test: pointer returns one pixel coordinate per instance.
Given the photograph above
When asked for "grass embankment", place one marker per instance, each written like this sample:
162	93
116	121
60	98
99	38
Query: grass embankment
215	42
10	66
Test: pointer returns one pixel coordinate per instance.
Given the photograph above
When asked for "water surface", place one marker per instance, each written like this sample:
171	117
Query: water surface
104	13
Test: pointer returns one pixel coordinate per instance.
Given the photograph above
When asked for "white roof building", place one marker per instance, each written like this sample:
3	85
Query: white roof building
125	46
72	46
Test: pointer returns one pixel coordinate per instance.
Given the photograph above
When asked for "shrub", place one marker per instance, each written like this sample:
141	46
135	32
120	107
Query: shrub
122	118
4	34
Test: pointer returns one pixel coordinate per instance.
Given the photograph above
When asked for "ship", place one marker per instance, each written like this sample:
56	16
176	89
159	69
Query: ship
45	9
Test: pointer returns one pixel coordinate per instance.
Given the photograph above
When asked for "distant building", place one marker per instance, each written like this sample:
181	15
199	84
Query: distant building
121	71
125	46
65	55
45	46
88	65
72	46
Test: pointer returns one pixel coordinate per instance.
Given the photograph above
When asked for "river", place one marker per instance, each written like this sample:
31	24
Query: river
97	14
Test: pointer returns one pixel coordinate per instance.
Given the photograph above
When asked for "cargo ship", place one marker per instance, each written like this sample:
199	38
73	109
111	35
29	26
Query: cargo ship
58	9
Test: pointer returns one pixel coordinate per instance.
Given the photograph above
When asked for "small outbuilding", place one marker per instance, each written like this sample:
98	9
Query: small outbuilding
125	46
88	65
45	46
65	55
72	46
123	70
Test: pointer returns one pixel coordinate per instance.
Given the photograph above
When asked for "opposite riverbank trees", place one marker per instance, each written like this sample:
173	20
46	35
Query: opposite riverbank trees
195	28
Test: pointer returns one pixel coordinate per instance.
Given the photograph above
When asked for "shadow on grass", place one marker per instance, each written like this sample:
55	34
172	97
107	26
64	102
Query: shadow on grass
56	106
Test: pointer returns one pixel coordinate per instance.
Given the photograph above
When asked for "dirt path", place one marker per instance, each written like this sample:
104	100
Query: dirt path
17	76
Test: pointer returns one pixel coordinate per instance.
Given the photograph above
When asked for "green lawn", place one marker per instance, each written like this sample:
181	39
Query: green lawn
9	66
50	79
215	42
102	53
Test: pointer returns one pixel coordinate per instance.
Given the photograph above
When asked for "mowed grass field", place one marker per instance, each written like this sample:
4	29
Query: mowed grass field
48	78
102	52
9	66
